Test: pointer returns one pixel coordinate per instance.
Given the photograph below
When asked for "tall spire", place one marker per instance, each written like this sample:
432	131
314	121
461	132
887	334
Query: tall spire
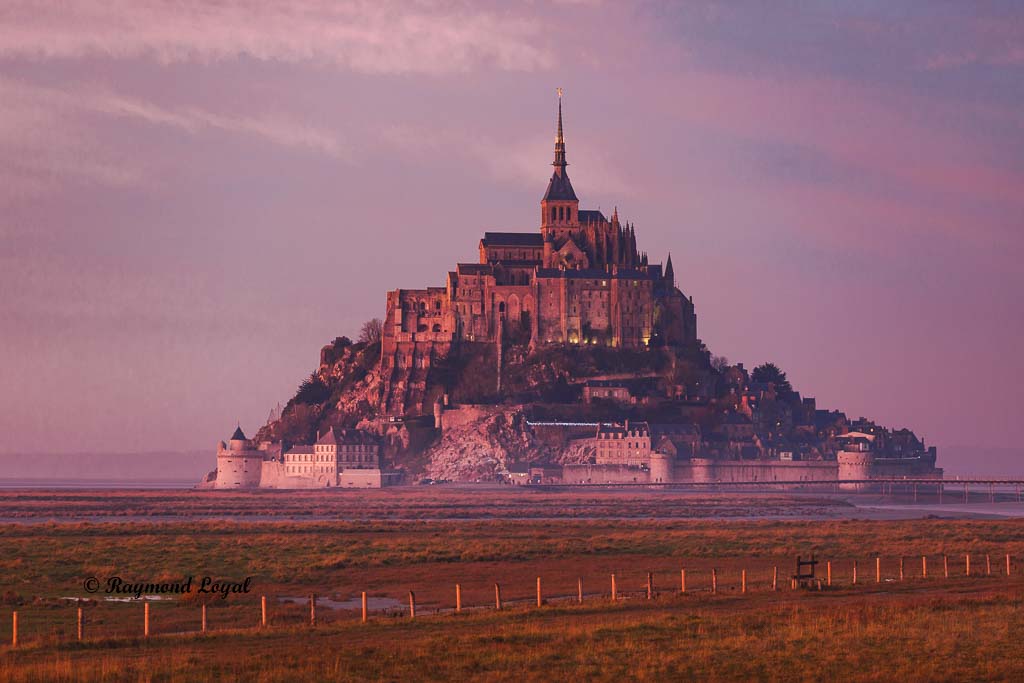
559	189
670	275
560	163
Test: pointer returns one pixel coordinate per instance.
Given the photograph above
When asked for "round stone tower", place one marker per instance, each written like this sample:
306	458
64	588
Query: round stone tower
854	465
239	465
662	467
703	470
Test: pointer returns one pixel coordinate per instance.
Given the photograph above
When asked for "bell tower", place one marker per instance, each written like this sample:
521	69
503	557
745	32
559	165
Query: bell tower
559	208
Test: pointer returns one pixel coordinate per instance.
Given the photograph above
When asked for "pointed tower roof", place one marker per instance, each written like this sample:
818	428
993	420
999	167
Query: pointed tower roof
669	273
559	188
238	435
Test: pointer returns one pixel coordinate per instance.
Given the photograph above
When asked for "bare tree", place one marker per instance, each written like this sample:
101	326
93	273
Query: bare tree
719	362
370	332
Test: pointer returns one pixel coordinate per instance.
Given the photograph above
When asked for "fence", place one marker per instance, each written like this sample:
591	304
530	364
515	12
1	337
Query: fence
94	620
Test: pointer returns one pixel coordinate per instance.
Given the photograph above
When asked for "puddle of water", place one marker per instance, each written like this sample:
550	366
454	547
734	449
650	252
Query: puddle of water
351	603
130	598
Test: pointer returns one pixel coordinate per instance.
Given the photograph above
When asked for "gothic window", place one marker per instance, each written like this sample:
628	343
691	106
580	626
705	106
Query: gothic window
561	212
553	214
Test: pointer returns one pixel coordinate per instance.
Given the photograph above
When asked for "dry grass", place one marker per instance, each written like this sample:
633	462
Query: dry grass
405	504
935	629
871	636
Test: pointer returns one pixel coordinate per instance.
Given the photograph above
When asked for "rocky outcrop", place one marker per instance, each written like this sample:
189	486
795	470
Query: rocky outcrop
483	444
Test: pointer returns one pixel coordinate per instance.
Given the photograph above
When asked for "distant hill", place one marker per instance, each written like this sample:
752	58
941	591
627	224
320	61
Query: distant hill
153	466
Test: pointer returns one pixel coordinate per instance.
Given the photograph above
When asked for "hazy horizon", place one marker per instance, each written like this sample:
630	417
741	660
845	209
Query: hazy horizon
195	200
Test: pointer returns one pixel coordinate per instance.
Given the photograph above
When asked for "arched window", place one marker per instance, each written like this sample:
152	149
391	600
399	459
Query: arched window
561	212
553	214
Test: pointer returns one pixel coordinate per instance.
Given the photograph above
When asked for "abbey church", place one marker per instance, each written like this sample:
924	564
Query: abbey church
579	279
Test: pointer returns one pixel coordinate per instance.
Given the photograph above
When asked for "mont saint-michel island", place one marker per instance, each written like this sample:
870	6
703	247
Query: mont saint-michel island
564	354
339	343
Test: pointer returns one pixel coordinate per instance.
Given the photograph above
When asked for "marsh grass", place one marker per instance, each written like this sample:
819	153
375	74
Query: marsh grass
915	629
872	636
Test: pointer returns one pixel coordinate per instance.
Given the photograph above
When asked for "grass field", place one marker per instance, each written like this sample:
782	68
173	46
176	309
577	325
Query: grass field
934	628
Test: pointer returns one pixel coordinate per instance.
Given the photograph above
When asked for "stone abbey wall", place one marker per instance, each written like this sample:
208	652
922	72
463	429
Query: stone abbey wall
707	471
604	474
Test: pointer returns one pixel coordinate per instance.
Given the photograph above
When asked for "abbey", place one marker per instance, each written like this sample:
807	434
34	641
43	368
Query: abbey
562	356
578	279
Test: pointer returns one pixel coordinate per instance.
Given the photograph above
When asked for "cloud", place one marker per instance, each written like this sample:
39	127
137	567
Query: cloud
979	41
367	36
912	153
273	129
47	138
1006	56
42	146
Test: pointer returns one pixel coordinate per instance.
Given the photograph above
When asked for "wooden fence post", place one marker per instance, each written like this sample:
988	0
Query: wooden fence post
743	581
901	568
497	596
14	628
365	615
145	619
312	609
924	566
1007	564
682	580
828	573
579	590
614	592
203	628
945	565
714	580
855	572
650	586
988	565
412	605
775	577
80	624
540	600
458	600
878	570
263	611
967	559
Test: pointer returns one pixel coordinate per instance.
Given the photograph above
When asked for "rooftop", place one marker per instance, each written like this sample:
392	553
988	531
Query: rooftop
559	188
513	239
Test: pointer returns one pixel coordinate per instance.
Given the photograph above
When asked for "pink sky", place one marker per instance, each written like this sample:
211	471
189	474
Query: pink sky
196	197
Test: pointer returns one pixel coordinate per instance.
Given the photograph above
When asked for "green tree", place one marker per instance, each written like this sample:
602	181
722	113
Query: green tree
312	391
770	372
